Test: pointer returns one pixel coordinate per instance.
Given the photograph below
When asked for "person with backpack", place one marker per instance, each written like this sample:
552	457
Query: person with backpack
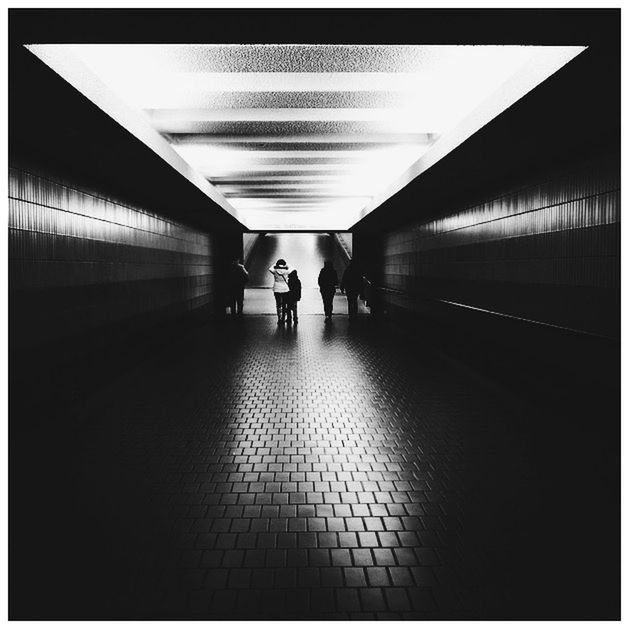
280	272
236	280
294	295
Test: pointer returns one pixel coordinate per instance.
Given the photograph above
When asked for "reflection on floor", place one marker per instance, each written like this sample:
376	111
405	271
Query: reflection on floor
261	301
337	471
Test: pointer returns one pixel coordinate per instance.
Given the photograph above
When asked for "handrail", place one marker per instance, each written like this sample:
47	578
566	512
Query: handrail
343	246
504	315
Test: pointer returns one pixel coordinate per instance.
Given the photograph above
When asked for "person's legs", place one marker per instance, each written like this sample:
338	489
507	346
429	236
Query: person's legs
284	306
325	306
328	300
289	310
295	312
325	302
352	304
278	306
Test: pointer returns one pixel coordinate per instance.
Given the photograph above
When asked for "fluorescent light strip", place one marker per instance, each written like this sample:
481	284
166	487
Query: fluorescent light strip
340	214
273	180
307	191
289	128
363	155
299	142
305	200
288	100
273	173
248	202
224	162
164	117
285	168
340	186
253	194
196	58
148	91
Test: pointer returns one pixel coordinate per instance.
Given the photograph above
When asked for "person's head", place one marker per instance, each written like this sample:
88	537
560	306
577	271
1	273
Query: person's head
293	273
327	264
280	264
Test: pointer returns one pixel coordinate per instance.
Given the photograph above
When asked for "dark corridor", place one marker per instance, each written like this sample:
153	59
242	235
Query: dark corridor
451	453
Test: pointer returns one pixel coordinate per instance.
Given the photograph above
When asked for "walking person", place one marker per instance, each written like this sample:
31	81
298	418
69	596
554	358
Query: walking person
280	274
328	281
236	280
352	286
294	295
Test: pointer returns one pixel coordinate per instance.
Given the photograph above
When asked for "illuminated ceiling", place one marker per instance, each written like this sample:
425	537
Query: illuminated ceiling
302	137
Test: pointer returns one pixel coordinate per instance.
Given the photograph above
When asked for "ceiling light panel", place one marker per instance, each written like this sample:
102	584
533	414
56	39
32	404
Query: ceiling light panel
302	136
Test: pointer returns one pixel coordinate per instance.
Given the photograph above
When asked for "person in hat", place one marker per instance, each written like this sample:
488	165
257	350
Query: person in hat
280	272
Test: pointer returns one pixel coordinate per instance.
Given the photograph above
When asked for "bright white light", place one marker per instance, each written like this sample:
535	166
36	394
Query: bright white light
262	114
151	74
211	112
359	173
208	154
302	221
350	204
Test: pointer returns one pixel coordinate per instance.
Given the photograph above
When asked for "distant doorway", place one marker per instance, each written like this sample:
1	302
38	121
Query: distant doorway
304	252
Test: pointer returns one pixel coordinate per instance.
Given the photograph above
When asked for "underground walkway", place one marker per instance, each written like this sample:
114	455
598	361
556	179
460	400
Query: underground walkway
337	472
454	454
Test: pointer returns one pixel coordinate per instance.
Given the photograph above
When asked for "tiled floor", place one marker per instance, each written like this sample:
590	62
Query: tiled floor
315	472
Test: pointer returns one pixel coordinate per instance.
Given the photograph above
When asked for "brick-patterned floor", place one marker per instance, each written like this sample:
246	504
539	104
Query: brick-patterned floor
326	472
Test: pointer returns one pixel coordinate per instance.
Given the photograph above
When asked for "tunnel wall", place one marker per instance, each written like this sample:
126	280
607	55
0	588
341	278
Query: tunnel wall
81	260
522	284
547	251
95	285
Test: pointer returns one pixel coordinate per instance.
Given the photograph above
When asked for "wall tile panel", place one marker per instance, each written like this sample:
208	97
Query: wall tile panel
562	234
80	260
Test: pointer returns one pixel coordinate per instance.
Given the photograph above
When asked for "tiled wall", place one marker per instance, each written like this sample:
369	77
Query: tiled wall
548	251
79	260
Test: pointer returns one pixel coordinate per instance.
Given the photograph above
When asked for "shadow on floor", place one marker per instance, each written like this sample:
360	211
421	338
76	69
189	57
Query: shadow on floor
326	472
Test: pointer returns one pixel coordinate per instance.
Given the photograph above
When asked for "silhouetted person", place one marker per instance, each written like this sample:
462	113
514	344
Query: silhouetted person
236	280
280	274
294	295
328	281
352	286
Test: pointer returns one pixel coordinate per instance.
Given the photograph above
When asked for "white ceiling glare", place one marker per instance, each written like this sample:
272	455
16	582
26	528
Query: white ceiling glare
302	137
